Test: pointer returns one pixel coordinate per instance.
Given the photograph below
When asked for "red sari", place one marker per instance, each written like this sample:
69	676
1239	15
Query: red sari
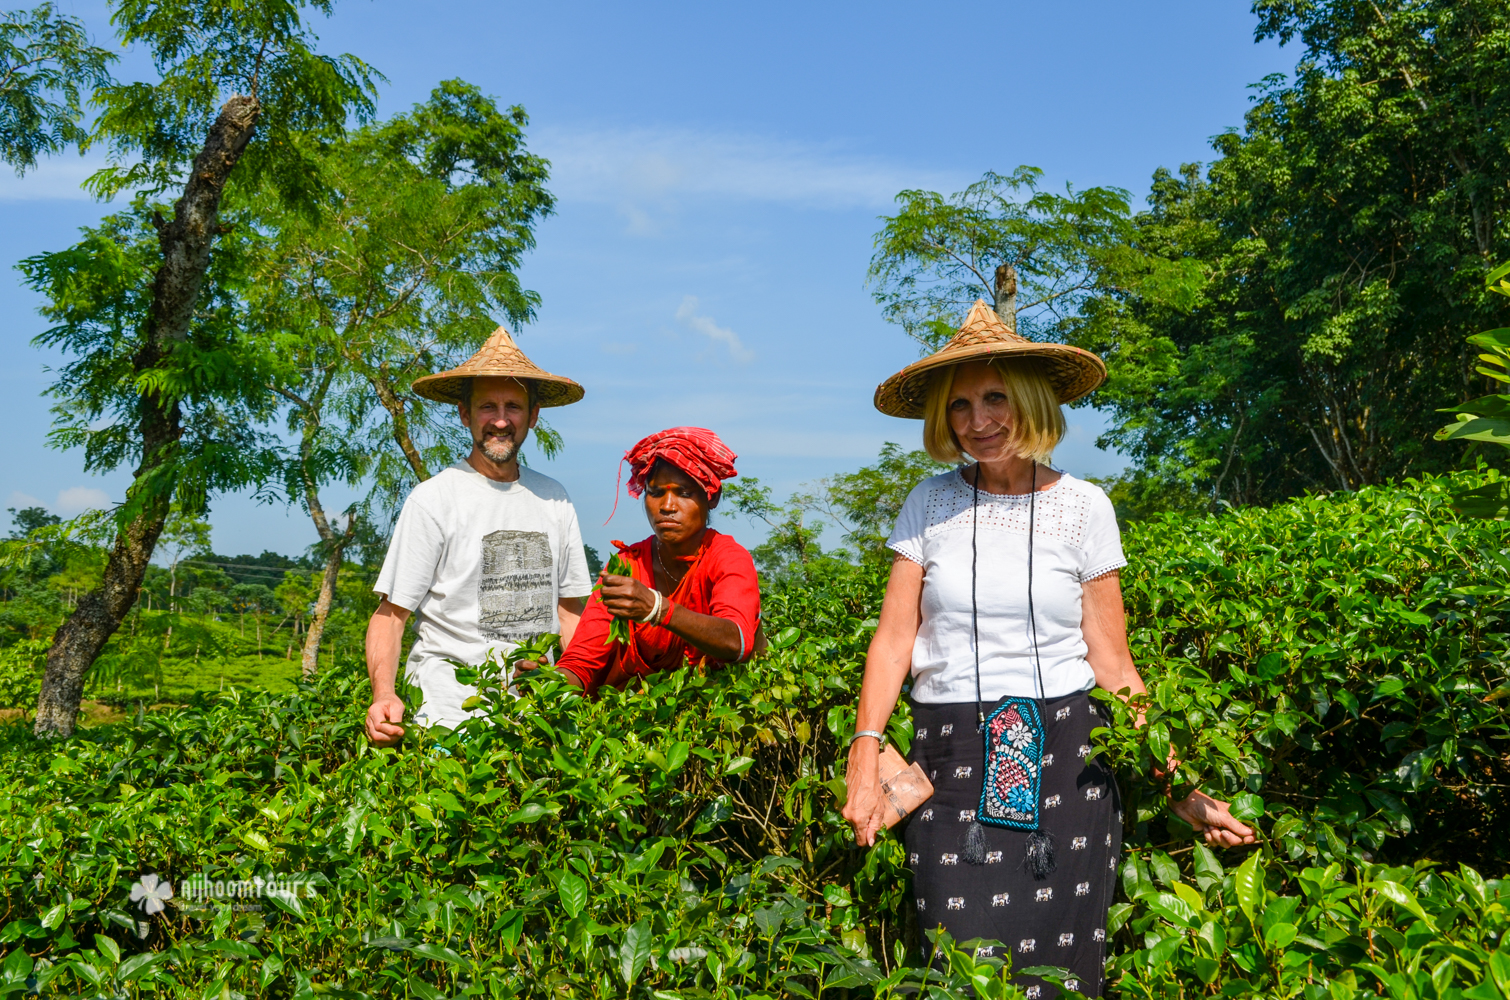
721	582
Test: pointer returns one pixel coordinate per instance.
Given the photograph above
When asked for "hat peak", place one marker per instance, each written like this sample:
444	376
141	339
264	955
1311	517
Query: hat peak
981	326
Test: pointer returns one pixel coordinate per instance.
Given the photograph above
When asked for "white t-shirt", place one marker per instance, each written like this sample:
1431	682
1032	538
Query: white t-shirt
481	564
1075	539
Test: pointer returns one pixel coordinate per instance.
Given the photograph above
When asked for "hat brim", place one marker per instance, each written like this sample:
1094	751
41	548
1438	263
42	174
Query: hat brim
1072	371
550	390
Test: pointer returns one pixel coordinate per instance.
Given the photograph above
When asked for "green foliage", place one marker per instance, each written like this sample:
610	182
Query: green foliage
1335	665
418	240
938	254
45	57
791	547
21	672
1486	419
867	502
618	629
204	52
1323	932
864	503
1333	249
98	296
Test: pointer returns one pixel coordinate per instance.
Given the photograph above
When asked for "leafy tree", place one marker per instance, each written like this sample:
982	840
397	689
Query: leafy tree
1486	420
427	218
45	58
1339	240
256	598
29	519
792	545
1037	256
866	502
241	96
427	221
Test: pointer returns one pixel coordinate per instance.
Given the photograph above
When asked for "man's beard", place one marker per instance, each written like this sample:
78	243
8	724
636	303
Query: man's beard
499	449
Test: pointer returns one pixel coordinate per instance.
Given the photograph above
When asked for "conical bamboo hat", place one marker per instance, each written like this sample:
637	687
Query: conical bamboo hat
499	356
1073	372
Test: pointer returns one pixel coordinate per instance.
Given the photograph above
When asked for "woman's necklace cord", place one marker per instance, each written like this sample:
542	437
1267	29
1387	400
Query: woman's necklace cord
667	569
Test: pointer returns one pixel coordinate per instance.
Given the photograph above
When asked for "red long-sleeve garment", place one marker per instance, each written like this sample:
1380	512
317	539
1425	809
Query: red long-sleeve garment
721	583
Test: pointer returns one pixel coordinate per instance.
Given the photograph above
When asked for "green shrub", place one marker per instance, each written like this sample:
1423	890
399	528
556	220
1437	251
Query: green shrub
1334	665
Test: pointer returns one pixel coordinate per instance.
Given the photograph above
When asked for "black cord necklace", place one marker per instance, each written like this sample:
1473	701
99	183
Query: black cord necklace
1039	849
980	714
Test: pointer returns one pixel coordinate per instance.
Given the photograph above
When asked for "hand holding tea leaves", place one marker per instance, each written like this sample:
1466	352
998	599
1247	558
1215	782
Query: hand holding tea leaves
618	628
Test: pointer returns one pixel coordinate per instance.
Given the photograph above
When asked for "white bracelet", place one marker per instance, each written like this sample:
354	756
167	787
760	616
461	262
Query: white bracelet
653	611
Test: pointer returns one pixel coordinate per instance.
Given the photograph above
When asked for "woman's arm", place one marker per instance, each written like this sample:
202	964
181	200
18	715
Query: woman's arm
586	656
626	597
887	663
1104	624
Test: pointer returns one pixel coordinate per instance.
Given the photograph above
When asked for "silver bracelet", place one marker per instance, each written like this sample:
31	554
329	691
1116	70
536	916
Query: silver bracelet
653	611
880	737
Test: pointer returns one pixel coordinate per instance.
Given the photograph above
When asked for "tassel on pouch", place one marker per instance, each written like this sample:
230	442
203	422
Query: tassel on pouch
975	844
1038	858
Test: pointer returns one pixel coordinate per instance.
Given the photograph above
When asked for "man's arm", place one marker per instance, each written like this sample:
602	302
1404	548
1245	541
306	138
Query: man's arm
385	639
569	611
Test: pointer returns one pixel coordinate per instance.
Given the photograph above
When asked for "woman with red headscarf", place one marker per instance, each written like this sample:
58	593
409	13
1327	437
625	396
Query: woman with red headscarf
694	595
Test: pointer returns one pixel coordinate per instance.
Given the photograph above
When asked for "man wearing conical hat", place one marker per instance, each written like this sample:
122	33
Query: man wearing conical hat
487	554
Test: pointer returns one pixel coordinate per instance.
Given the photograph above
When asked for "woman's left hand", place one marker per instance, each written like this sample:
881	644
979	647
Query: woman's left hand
626	597
1213	818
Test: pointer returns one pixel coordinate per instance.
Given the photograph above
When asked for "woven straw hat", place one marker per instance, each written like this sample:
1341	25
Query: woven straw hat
499	356
1072	371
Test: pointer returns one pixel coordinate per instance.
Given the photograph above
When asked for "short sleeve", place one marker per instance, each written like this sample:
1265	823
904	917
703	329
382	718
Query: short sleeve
735	593
1102	547
907	534
414	552
573	579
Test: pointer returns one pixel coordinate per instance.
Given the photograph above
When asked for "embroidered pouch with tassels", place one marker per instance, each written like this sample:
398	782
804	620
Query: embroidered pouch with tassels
1010	792
1014	759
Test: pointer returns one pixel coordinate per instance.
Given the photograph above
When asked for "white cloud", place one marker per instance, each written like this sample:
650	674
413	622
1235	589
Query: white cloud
21	501
687	313
54	178
77	499
629	166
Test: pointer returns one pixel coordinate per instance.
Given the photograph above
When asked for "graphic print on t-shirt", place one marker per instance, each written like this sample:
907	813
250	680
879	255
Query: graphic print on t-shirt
514	594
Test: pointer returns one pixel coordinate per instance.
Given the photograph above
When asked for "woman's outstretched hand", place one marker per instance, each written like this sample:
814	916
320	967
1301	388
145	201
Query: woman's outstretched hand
863	805
1213	819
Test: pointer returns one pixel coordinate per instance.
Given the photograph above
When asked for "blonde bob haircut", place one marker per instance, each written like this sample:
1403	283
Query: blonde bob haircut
1037	420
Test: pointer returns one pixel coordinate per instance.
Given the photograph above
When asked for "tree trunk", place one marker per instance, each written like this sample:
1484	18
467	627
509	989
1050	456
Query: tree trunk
1006	295
400	416
185	244
311	662
335	545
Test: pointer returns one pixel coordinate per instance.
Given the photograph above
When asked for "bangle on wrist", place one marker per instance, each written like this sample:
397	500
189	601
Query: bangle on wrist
879	737
655	609
665	615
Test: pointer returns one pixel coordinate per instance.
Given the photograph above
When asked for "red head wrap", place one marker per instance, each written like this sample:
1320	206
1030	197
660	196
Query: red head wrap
695	450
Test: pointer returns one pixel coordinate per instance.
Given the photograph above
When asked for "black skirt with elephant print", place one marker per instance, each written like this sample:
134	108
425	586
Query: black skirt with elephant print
1059	920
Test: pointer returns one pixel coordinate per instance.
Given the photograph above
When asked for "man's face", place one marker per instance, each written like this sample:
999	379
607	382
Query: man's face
499	417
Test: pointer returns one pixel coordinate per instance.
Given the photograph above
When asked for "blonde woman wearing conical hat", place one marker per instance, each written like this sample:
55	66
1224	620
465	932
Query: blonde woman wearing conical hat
486	554
1004	609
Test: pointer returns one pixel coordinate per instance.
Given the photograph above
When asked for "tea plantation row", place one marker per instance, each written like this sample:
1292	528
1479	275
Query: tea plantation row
1335	666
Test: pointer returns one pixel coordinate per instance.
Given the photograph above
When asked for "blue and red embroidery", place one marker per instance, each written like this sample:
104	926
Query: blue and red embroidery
1014	757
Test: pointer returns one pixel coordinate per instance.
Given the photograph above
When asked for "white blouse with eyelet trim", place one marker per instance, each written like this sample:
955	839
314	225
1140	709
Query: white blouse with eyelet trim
1075	539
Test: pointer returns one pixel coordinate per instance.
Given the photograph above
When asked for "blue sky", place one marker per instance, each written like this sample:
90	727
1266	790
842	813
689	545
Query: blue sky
719	171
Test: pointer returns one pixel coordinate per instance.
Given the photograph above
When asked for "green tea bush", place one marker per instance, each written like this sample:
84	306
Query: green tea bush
1335	666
